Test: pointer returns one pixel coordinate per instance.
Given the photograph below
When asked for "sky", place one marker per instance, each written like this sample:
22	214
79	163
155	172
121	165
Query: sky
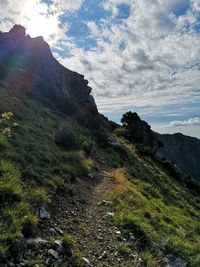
138	55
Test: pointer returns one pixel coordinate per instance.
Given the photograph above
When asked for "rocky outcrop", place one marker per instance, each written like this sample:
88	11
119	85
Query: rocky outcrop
29	68
183	151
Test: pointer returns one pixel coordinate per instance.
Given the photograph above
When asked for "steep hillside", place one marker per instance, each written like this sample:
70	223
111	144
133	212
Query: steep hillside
29	69
184	151
76	189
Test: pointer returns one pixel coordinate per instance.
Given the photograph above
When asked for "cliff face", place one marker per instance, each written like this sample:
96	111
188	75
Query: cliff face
182	150
28	67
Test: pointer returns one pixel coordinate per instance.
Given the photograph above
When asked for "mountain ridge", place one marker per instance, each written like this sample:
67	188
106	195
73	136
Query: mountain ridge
182	150
78	190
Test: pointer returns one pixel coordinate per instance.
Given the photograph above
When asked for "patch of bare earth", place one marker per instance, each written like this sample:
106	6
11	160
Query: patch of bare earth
88	217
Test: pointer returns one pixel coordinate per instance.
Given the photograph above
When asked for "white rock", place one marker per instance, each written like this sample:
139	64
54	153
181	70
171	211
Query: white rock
86	261
53	253
103	256
42	213
110	214
58	245
118	232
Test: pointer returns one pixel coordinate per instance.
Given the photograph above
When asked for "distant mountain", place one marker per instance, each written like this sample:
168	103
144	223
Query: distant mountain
182	150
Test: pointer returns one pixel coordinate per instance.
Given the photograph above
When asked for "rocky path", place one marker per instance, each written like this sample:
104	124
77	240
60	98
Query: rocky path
88	218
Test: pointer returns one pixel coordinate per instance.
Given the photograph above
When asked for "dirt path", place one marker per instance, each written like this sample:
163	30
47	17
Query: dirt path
88	218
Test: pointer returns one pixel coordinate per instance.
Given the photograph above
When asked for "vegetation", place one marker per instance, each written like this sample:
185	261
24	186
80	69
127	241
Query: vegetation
32	165
43	152
157	210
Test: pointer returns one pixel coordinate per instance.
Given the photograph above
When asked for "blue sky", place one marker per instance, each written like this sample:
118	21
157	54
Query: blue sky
139	55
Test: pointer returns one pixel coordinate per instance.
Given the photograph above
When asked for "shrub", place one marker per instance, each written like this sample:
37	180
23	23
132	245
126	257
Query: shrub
68	243
29	226
67	137
73	137
87	144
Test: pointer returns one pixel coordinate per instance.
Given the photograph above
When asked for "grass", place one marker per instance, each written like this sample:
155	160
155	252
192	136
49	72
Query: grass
160	212
32	166
151	202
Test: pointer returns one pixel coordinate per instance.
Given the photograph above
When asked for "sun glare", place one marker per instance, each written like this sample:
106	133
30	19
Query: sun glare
37	21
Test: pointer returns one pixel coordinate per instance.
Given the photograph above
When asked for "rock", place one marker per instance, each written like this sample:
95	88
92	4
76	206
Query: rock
71	90
139	263
53	253
86	261
35	241
42	213
173	261
106	203
53	231
10	264
131	237
103	255
18	30
118	232
91	176
113	142
59	231
110	214
57	245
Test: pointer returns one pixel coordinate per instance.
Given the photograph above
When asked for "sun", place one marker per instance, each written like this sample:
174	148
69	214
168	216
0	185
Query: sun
38	21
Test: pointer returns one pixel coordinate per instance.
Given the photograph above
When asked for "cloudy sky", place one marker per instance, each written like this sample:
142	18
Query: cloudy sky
139	55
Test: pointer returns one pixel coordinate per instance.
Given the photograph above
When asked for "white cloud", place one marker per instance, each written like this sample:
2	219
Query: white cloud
61	6
189	122
159	60
38	17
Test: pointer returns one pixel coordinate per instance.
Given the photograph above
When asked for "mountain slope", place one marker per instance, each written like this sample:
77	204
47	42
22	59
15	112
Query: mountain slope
29	68
110	202
184	151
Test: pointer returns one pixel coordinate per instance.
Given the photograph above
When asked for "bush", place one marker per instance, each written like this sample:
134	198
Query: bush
68	243
73	137
87	144
67	137
29	226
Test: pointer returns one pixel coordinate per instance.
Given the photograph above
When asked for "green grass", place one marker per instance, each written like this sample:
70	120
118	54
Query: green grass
32	165
160	212
151	201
